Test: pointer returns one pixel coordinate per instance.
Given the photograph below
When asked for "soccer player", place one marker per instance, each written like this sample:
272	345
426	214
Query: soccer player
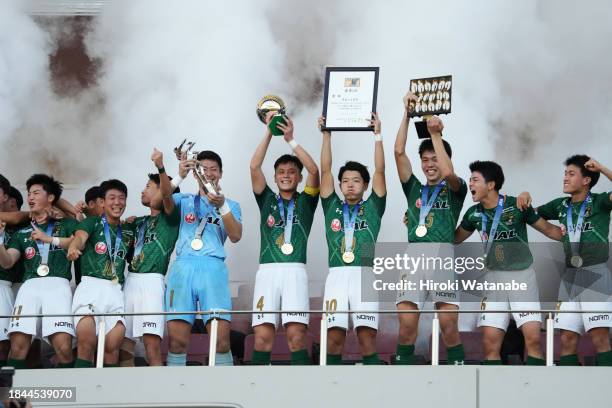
93	204
198	278
46	288
503	229
585	220
285	221
15	201
101	243
352	225
433	212
7	298
144	287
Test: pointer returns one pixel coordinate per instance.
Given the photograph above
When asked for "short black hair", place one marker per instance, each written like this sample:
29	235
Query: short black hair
14	193
288	158
579	160
5	185
491	171
92	194
48	183
210	155
427	146
154	177
355	166
112	184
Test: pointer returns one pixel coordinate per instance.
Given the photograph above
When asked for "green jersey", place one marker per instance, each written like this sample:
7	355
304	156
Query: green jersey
594	247
510	247
159	234
272	225
443	216
16	272
367	227
59	265
96	258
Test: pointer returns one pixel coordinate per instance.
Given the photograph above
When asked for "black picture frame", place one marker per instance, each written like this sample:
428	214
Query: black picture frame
328	71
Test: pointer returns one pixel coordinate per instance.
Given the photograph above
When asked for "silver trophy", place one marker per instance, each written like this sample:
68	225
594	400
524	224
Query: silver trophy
191	154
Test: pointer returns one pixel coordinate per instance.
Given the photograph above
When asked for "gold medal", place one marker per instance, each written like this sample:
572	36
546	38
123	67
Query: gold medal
197	244
287	249
576	261
42	270
348	257
421	231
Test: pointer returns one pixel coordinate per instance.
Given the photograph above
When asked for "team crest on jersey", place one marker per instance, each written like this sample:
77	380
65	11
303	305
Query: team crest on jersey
271	221
335	225
418	203
190	218
100	248
29	252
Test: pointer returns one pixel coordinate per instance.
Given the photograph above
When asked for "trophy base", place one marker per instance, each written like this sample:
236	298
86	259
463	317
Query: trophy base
421	128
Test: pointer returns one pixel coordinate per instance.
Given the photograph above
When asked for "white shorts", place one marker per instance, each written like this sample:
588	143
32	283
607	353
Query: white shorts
95	295
48	295
585	289
144	292
280	286
506	300
419	297
7	299
343	291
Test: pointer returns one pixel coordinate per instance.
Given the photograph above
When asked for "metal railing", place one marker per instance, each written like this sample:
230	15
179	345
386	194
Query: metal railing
216	313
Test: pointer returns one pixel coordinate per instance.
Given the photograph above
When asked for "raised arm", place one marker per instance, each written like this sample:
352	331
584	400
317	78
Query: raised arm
327	179
404	167
594	165
305	158
258	180
435	127
15	217
164	181
67	208
379	183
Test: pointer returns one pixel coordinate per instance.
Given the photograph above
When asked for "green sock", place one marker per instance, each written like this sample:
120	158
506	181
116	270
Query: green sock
492	362
80	363
534	361
569	360
19	364
111	365
604	359
261	357
300	357
334	359
65	365
404	354
455	355
372	359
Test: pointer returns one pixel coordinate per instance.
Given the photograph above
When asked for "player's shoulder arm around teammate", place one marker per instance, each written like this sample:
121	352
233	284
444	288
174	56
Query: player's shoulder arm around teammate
550	210
15	217
327	178
467	226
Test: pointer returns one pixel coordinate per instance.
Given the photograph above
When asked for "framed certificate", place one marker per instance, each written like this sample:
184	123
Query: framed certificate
350	98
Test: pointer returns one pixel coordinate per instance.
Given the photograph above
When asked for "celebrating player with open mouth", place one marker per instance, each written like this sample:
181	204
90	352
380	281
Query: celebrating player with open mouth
587	284
433	212
46	288
352	225
101	243
285	222
503	229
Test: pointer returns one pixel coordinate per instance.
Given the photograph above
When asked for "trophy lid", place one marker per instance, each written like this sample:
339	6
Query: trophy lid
269	103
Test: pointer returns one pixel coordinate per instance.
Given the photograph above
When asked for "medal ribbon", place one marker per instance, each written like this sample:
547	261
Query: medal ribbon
426	208
112	251
349	224
491	235
289	220
141	233
574	233
43	247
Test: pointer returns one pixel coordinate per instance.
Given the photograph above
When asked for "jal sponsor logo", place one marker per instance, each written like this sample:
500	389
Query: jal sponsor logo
100	248
29	252
503	235
335	225
190	218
